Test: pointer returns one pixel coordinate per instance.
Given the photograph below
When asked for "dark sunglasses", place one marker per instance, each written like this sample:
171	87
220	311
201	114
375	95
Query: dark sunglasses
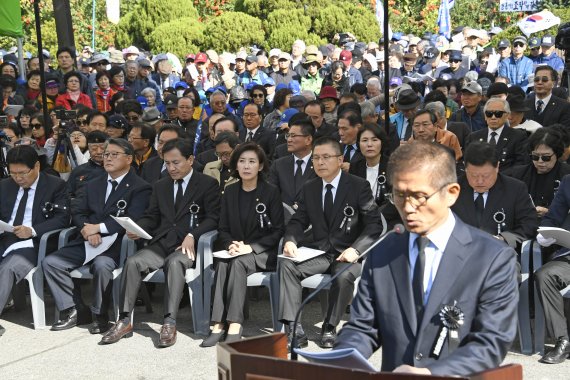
541	79
518	44
36	126
497	114
257	96
484	62
455	60
133	118
545	158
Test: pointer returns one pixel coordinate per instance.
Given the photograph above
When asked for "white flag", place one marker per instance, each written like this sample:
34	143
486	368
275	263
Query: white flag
114	11
537	22
380	19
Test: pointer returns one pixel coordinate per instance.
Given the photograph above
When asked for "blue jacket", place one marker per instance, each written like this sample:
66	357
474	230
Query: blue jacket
516	70
245	78
553	60
475	121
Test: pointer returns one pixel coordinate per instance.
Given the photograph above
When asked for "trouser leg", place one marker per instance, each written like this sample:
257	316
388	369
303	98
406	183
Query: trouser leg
221	283
240	268
341	291
550	279
57	268
102	269
175	267
13	268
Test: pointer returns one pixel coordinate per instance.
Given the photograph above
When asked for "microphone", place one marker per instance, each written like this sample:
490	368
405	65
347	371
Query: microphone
398	229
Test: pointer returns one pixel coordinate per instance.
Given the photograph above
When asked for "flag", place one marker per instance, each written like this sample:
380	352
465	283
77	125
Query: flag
380	18
537	22
444	19
113	11
11	19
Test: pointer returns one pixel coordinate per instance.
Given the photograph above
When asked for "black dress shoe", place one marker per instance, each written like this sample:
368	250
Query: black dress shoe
213	339
302	340
230	338
2	330
328	336
99	327
68	322
559	353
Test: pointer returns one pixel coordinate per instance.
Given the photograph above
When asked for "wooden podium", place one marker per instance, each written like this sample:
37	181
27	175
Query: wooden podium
265	358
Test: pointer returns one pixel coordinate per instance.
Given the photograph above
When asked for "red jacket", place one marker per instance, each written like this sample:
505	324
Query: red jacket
65	101
104	105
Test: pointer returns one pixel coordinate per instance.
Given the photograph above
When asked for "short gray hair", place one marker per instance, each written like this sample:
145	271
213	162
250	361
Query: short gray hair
436	107
367	109
505	104
218	93
373	81
148	90
131	63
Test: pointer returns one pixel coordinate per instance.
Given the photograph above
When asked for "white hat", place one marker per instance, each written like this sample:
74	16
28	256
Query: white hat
274	53
131	50
241	55
285	55
371	59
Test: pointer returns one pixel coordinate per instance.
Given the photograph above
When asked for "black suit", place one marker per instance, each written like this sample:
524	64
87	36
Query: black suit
16	264
264	137
90	207
326	130
556	111
364	229
152	170
508	195
229	299
206	157
461	130
510	148
168	228
81	174
282	175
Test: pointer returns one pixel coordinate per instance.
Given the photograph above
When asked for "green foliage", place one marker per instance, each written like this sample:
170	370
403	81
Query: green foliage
148	15
283	27
479	14
180	37
262	8
232	30
347	17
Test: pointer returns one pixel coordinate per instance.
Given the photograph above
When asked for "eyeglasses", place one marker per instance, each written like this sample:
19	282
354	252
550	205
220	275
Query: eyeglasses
257	96
518	44
542	79
454	60
483	62
497	114
543	157
326	157
416	201
113	155
223	154
36	126
133	118
293	135
535	48
21	175
423	125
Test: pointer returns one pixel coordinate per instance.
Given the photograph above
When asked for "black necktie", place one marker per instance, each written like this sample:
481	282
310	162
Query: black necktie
493	139
179	195
114	185
249	137
328	204
539	106
408	131
349	149
479	208
19	219
418	279
299	174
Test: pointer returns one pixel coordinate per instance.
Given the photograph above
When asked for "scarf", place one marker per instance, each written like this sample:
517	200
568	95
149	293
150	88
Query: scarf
74	95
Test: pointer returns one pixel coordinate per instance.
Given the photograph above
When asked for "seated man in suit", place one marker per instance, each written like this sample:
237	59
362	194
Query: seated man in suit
324	203
92	168
224	145
154	169
291	172
24	196
554	276
120	189
182	208
349	123
509	143
494	202
544	107
440	265
254	131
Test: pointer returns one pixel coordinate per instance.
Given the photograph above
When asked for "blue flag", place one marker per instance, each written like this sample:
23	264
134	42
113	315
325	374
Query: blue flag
444	19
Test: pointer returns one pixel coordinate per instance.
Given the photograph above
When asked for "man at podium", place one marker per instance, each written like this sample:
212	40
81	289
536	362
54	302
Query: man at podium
440	298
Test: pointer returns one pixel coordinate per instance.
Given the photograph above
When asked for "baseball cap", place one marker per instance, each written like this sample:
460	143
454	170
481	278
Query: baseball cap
274	53
191	57
534	42
455	55
285	55
520	39
286	116
213	56
396	81
431	54
251	59
118	122
547	40
131	50
180	84
241	55
497	88
143	62
201	58
472	87
495	30
171	101
504	43
345	56
415	40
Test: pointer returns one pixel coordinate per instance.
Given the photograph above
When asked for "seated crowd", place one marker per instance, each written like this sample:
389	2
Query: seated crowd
254	137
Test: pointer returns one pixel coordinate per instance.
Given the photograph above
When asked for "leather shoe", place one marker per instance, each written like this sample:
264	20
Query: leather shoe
328	336
99	327
231	338
119	330
2	330
213	339
167	335
559	353
68	322
302	340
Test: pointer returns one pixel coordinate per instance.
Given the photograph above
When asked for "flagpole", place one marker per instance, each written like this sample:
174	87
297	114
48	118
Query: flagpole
385	35
41	58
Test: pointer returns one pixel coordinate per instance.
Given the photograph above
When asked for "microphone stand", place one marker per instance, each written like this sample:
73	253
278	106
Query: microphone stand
398	229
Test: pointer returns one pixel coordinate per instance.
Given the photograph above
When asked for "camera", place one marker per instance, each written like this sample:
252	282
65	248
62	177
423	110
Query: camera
562	41
3	121
66	115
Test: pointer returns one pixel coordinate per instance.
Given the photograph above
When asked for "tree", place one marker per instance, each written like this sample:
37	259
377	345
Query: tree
246	30
283	27
355	19
180	37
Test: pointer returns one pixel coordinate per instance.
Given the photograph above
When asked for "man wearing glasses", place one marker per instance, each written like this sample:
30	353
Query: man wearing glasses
455	69
439	266
23	196
517	67
544	107
345	221
101	197
224	144
492	201
509	143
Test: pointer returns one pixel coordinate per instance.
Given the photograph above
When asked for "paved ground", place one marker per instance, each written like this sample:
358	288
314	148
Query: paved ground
29	354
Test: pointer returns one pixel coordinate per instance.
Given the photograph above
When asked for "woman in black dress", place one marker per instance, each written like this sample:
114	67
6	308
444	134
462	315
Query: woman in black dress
251	225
